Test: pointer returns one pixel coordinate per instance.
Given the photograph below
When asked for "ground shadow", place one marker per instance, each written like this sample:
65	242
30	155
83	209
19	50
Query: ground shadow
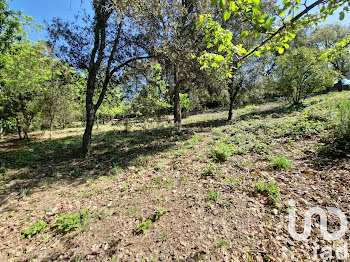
276	112
42	163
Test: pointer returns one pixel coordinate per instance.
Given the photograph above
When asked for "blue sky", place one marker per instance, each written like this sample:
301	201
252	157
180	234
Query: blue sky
42	10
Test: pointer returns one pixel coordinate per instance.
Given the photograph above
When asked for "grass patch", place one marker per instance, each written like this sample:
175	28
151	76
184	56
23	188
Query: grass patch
270	189
221	152
281	162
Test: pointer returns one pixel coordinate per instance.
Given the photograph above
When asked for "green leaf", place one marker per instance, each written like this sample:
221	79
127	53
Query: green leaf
222	3
233	6
341	15
227	15
281	50
243	34
214	2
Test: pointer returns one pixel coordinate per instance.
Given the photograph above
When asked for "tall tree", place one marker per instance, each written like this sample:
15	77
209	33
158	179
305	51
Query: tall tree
103	45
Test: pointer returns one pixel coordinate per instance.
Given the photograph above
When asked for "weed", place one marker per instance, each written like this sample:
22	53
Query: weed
163	237
67	222
221	152
159	212
11	213
158	198
168	183
46	237
26	192
144	226
33	229
271	189
213	196
157	167
185	180
157	180
233	181
125	186
281	162
210	170
223	243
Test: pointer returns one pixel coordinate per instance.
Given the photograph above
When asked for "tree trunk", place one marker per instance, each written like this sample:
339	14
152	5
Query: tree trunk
1	129
97	124
51	124
90	118
19	128
233	91
27	128
177	108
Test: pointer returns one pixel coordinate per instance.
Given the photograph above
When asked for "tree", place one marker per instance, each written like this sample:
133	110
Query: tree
172	39
12	26
152	99
23	80
300	73
58	100
103	46
325	38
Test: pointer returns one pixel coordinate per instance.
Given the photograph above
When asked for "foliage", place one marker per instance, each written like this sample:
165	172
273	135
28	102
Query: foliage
67	222
273	30
33	229
184	103
280	162
23	82
271	189
152	99
12	26
300	73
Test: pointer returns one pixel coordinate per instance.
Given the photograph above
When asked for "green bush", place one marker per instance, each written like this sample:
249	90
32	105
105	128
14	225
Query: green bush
281	162
221	152
33	229
271	189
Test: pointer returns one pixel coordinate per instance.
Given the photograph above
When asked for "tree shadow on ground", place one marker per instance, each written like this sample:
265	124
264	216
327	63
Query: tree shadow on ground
330	154
40	164
204	125
276	112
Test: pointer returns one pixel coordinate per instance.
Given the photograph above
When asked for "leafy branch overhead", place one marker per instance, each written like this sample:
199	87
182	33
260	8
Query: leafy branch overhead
272	30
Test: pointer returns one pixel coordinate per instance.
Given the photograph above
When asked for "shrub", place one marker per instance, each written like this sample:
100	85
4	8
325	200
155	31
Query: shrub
33	229
281	162
221	152
271	189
